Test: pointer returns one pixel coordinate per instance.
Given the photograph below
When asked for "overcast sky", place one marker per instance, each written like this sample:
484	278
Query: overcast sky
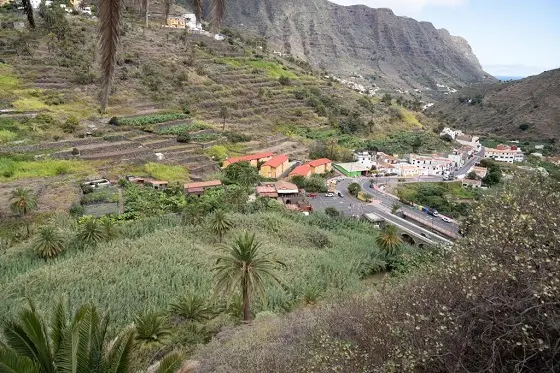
509	37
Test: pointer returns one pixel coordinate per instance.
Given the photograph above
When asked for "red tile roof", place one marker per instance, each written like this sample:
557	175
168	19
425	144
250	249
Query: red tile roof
250	157
319	162
267	191
301	170
276	160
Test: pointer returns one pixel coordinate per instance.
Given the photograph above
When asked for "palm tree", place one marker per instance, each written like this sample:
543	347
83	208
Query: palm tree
28	9
151	328
48	243
224	113
244	267
191	307
389	240
110	229
91	233
110	18
79	344
23	201
220	223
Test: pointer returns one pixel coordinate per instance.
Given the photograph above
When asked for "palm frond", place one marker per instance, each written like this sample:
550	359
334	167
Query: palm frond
28	9
170	363
110	16
59	322
218	13
117	358
191	307
12	362
151	328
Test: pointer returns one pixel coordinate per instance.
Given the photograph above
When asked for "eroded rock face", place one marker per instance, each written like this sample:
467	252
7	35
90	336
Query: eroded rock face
346	39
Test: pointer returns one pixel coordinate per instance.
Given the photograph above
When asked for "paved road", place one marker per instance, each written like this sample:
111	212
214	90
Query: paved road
471	162
351	206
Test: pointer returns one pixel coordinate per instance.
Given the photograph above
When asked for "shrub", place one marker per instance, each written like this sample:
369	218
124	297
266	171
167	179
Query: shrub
236	136
354	189
524	126
184	138
75	151
284	80
114	121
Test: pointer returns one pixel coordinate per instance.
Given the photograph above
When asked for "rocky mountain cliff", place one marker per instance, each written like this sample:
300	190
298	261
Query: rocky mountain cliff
398	51
521	109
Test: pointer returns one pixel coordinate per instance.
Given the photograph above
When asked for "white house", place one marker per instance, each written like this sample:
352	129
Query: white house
431	166
469	141
365	158
407	170
191	22
504	153
451	133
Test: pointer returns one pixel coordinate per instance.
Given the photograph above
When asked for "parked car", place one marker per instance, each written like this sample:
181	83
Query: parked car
423	234
446	219
329	194
340	195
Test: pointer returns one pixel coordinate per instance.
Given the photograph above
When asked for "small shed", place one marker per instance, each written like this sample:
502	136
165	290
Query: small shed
200	187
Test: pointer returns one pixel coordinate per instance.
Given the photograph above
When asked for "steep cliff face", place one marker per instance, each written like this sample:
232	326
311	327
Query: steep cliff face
345	39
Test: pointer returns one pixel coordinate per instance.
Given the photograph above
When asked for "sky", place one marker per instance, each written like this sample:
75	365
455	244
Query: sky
509	37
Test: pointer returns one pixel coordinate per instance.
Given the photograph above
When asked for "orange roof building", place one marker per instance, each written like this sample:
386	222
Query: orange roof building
301	170
200	187
253	159
320	166
274	167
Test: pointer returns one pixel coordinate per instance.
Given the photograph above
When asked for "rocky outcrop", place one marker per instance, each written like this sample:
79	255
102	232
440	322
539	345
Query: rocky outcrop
344	39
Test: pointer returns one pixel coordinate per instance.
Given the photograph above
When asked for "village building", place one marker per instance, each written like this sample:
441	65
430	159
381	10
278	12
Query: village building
320	166
408	170
473	141
467	183
157	184
303	170
351	169
253	159
365	158
386	158
451	133
175	22
274	167
267	191
480	172
198	188
431	166
504	153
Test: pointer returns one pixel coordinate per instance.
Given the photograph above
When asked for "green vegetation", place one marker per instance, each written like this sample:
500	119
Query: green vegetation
389	239
354	189
16	168
241	173
270	68
182	128
313	184
48	243
147	119
205	137
219	223
494	175
181	266
492	293
168	173
244	268
446	198
407	142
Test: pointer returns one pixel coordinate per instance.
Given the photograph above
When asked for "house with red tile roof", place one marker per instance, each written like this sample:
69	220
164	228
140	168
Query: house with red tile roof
274	167
200	187
303	170
253	159
320	166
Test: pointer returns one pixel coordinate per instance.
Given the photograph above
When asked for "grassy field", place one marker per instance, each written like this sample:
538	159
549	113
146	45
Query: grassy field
13	169
146	271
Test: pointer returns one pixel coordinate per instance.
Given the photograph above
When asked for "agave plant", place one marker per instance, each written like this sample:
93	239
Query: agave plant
110	229
191	307
48	243
151	328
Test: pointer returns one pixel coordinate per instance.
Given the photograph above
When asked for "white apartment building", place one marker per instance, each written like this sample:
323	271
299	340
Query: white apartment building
504	153
431	166
365	158
451	133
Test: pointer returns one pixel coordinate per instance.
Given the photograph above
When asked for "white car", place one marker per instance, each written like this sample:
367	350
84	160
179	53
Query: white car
446	219
329	194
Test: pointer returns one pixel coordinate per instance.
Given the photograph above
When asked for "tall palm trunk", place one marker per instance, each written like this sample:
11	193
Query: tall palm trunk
28	9
246	314
146	12
110	16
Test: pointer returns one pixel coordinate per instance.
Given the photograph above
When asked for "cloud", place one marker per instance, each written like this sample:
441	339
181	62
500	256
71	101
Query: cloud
401	6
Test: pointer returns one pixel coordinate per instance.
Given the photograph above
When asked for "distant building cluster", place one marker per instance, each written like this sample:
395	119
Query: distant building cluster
504	153
184	21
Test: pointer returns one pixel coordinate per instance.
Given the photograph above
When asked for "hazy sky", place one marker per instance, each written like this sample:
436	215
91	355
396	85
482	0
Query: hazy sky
509	37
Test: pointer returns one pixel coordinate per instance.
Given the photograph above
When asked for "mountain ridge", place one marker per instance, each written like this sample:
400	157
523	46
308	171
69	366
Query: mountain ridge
395	51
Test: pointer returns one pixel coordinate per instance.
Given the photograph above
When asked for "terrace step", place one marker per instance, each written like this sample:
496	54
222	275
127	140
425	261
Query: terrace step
160	144
107	146
126	154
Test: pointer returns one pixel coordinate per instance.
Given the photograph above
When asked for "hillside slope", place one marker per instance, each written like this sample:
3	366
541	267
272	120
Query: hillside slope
524	109
398	51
